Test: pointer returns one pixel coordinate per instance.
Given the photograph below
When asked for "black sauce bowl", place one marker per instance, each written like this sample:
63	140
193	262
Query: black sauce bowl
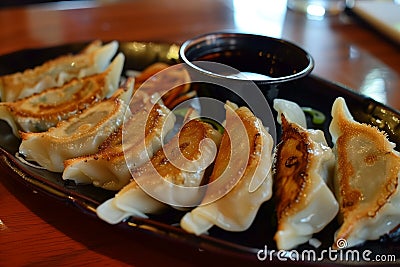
265	61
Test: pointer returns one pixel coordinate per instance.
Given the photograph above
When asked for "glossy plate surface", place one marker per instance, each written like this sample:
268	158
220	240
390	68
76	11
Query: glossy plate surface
308	92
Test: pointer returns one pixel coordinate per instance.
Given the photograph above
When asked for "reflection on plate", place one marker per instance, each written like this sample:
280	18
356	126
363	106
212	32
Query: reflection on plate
309	92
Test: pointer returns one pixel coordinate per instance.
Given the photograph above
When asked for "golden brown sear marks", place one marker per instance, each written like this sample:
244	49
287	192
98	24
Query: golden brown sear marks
175	81
190	136
253	130
69	62
223	157
364	158
372	140
291	165
112	146
77	102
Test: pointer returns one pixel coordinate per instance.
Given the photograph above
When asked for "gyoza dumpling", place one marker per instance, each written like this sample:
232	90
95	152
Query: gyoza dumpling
168	175
162	76
54	73
107	168
80	135
303	165
242	173
39	112
366	179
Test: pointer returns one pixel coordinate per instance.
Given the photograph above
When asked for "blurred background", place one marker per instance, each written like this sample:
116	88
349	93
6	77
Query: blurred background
15	3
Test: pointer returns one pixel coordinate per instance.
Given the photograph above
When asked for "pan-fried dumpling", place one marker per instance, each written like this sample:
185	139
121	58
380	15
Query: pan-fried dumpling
39	112
303	165
160	76
54	73
171	172
79	135
107	168
366	179
245	171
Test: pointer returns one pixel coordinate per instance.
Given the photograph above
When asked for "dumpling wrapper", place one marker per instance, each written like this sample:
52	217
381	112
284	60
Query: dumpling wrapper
292	112
39	112
303	165
54	73
244	170
107	168
160	76
167	177
80	135
366	179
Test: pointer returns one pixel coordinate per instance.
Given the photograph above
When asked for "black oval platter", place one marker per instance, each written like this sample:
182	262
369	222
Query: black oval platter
311	92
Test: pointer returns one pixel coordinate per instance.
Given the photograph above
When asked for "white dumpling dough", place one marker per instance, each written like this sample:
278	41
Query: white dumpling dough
236	208
366	179
167	179
291	110
108	168
304	164
39	112
54	73
79	135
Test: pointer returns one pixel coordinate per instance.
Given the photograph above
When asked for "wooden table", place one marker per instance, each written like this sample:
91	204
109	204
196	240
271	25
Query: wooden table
36	230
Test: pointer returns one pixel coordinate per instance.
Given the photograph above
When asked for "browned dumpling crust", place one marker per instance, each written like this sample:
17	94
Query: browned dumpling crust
108	168
291	179
39	112
366	179
303	166
132	200
54	73
190	136
79	135
239	169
